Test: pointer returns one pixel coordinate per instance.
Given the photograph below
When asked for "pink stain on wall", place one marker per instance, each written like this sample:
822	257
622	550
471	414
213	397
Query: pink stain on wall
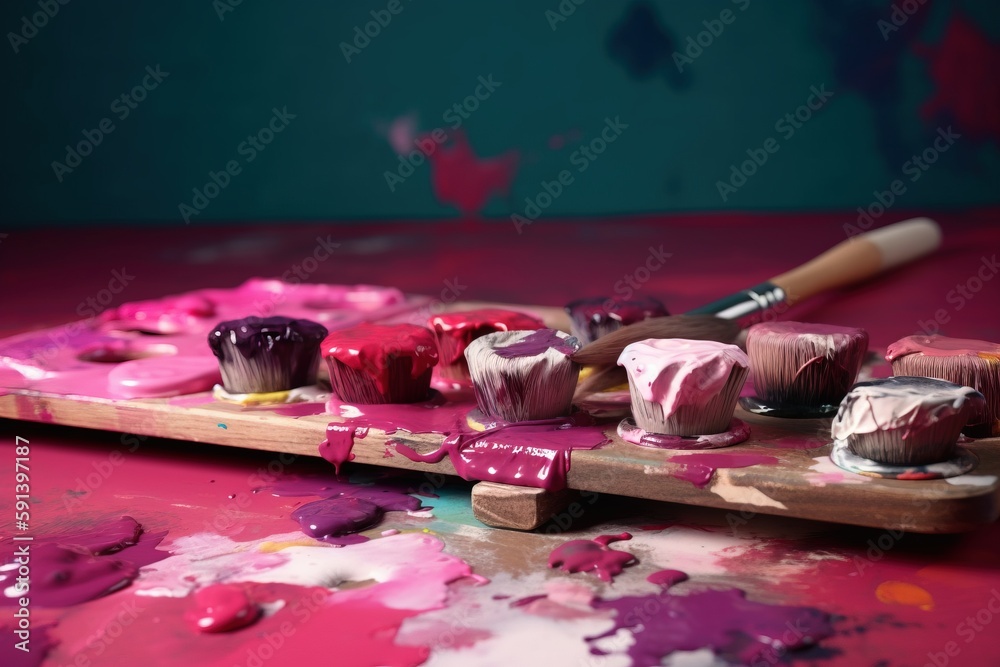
963	67
462	179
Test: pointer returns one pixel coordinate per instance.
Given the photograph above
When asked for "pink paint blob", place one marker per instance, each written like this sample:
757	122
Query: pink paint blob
699	468
221	608
156	377
96	357
942	346
593	556
667	578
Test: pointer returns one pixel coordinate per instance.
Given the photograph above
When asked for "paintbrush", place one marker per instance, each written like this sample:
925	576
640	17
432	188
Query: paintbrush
887	427
523	375
974	363
851	261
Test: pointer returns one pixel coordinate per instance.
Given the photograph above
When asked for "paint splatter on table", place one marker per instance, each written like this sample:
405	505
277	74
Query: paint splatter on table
437	588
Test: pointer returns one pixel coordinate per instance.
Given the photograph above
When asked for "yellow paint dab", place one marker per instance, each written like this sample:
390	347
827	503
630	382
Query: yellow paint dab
271	547
901	592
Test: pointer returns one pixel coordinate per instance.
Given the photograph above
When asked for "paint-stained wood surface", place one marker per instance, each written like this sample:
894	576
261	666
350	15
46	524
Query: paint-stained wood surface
791	487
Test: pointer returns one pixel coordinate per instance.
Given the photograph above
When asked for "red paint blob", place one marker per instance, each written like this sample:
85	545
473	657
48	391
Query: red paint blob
667	578
593	556
467	182
221	608
963	67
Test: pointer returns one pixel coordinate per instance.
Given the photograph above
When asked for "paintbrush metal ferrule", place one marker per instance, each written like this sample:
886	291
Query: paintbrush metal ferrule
746	306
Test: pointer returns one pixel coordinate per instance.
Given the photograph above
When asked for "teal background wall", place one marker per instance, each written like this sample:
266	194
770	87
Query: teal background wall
557	87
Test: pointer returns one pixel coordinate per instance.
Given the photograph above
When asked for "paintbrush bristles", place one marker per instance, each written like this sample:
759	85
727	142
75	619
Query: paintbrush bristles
525	387
980	373
689	420
266	373
354	386
605	350
804	364
684	387
905	420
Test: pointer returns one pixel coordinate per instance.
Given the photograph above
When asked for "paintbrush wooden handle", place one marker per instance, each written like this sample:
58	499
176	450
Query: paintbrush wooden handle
861	257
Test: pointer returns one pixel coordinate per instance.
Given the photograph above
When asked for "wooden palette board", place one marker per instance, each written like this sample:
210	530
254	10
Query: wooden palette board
787	488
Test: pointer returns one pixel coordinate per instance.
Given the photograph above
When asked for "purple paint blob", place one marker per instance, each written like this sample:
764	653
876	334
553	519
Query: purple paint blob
733	627
346	508
73	568
593	556
699	468
221	608
537	343
667	578
41	642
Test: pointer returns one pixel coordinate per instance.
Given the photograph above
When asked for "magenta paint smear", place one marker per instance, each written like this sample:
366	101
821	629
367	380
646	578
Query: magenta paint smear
734	628
795	442
346	508
72	568
221	608
81	358
593	556
535	454
535	344
963	65
37	640
699	468
526	454
462	179
298	409
339	442
667	578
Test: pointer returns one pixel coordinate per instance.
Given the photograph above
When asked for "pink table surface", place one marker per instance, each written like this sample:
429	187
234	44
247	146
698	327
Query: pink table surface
949	615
